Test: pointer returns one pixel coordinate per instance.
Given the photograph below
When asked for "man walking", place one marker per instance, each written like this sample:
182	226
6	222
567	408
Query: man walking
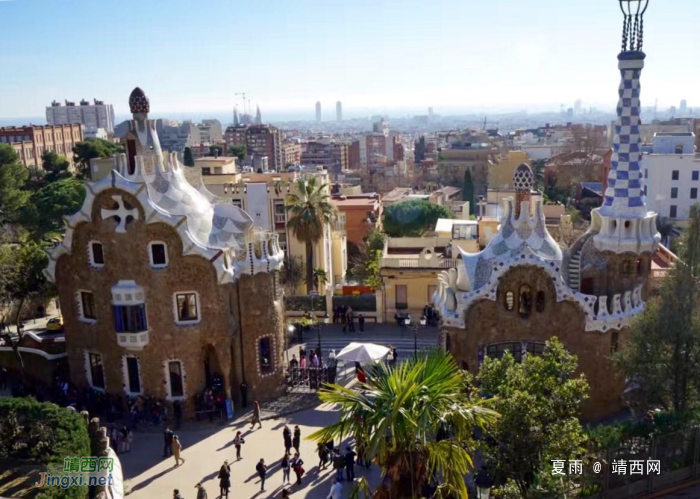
262	472
336	490
350	464
167	442
201	491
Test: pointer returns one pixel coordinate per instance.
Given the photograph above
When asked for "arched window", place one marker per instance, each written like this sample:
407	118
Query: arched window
510	300
539	303
525	301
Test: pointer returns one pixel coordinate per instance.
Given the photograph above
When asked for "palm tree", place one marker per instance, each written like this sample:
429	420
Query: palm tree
310	211
538	170
396	417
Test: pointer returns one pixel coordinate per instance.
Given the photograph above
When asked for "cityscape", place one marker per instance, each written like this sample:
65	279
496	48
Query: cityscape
340	254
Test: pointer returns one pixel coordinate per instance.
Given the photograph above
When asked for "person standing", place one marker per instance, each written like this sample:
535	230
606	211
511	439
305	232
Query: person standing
224	479
177	448
286	468
201	491
256	415
298	467
350	464
336	489
351	321
287	436
296	441
323	456
237	442
167	442
338	464
262	473
361	322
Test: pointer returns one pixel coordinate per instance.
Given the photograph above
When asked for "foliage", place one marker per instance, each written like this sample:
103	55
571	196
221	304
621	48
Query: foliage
303	303
359	303
321	277
396	417
310	211
538	400
667	229
55	167
364	263
13	177
292	274
662	356
93	148
468	191
43	216
413	218
187	157
238	151
538	169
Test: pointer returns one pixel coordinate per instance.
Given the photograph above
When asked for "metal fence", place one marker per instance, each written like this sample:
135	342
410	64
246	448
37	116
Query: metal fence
309	378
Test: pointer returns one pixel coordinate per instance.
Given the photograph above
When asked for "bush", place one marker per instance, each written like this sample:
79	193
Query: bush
359	303
302	303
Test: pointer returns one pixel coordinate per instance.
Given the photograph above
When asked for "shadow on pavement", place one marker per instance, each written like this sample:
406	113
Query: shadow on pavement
145	483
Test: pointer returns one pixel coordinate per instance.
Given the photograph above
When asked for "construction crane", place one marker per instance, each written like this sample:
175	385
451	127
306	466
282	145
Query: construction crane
245	111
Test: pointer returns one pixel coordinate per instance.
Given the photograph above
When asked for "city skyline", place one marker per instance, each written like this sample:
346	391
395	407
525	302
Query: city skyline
522	59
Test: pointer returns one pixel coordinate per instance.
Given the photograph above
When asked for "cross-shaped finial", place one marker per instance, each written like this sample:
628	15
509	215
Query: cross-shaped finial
121	214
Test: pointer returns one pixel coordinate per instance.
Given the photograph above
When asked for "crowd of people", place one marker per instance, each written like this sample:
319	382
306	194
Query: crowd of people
344	315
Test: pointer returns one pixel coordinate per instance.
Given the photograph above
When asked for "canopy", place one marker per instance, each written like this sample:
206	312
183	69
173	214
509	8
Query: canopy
362	352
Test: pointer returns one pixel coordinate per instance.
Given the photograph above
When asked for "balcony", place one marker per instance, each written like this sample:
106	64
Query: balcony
133	341
339	226
420	263
280	218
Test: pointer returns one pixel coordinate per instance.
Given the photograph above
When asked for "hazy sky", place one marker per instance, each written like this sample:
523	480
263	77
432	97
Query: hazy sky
192	56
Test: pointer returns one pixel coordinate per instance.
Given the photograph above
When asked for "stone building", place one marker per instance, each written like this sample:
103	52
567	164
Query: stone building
521	290
162	287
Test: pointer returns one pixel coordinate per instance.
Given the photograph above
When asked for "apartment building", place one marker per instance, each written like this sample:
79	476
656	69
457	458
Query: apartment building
332	155
291	152
362	213
211	131
30	141
260	141
91	116
175	138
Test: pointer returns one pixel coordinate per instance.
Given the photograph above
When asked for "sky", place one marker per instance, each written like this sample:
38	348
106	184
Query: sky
194	56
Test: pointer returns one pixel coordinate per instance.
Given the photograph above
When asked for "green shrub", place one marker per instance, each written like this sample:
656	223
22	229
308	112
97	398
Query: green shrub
359	303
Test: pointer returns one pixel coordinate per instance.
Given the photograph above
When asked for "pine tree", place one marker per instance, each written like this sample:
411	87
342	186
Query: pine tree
188	158
468	191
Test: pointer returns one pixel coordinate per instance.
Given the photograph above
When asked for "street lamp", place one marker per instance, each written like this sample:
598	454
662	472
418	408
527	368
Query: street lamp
415	326
483	485
290	332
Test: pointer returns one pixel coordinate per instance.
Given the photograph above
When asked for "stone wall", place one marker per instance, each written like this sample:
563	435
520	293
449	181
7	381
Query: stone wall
490	322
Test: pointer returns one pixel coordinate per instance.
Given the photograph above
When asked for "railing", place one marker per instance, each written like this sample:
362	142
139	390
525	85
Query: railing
280	218
659	273
339	226
415	263
133	341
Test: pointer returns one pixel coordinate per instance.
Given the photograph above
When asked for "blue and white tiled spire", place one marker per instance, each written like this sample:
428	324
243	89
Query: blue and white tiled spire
623	223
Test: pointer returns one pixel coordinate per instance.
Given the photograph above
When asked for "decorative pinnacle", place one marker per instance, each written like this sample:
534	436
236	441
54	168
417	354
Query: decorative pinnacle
633	24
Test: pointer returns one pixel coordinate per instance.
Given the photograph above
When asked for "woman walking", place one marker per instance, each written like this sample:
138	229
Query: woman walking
323	456
286	468
177	447
287	436
224	479
256	415
298	467
237	442
297	439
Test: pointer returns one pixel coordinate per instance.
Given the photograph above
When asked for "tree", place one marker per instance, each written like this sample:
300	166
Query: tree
310	211
292	275
188	159
413	218
667	229
93	148
238	151
55	167
538	400
13	178
43	216
21	279
468	191
538	169
321	277
662	356
416	421
365	260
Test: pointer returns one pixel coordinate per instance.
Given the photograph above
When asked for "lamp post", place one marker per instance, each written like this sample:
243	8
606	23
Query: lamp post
290	332
415	326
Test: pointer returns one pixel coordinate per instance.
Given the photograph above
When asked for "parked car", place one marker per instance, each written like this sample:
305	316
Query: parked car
55	324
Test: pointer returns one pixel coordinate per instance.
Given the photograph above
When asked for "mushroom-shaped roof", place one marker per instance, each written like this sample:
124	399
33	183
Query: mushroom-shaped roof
138	102
523	178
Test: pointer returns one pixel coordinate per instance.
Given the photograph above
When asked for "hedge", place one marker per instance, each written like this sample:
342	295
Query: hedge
303	302
358	303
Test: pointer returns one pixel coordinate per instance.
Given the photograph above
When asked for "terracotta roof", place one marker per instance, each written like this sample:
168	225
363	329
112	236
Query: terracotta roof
350	202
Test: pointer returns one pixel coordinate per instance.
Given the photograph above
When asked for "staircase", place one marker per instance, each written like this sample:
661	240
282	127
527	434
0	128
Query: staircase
575	270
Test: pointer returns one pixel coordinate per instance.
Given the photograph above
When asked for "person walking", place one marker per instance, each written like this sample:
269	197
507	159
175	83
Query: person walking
296	441
361	322
201	491
298	467
238	440
256	415
167	442
350	464
286	468
262	473
336	489
287	436
338	464
323	456
177	448
224	479
395	355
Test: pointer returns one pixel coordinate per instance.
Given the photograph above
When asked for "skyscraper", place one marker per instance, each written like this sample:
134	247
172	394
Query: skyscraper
684	107
91	116
318	112
338	111
235	117
258	116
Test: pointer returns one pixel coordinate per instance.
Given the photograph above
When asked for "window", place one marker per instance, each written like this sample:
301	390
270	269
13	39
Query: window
693	193
679	148
535	348
187	307
265	359
674	192
614	341
696	175
158	254
97	375
177	388
97	256
499	350
673	211
133	377
130	318
674	175
525	301
206	170
509	300
401	297
87	305
431	291
539	303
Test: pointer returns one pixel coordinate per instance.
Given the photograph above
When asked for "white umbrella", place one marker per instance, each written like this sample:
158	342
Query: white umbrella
362	352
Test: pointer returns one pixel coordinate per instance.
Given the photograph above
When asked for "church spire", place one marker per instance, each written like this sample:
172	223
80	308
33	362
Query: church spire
258	116
236	122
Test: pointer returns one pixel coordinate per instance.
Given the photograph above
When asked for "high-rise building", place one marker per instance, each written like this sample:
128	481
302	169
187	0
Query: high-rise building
339	111
332	155
258	116
684	107
265	140
211	131
318	112
236	122
578	106
91	116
